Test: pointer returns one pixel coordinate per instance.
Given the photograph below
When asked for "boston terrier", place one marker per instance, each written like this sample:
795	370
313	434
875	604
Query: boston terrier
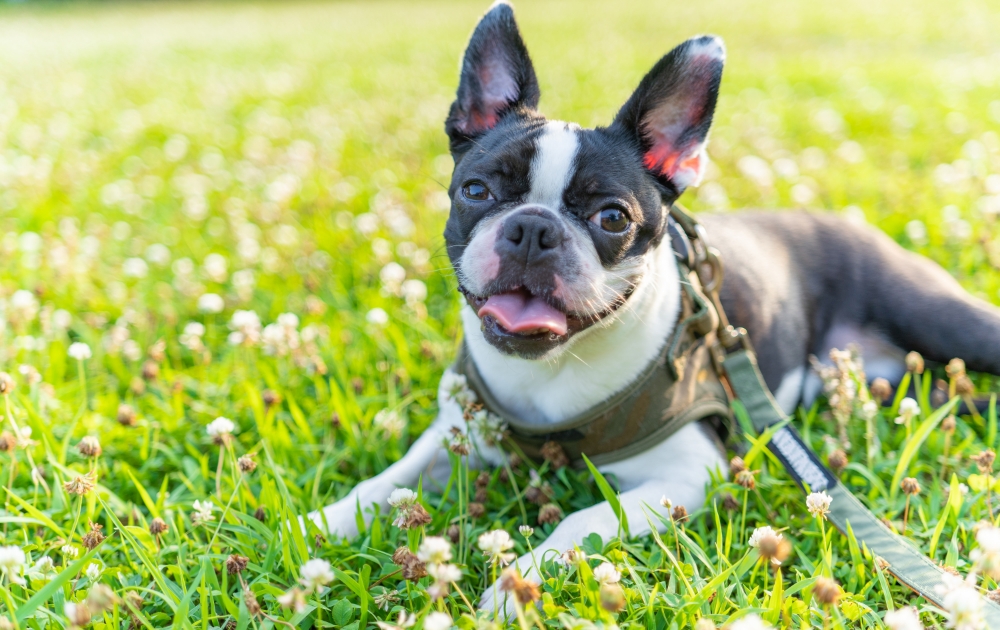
558	237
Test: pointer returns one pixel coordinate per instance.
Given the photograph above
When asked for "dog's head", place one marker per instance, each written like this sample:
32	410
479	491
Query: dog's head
552	226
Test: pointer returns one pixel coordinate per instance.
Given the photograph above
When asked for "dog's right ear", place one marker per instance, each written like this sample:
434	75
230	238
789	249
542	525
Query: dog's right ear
497	77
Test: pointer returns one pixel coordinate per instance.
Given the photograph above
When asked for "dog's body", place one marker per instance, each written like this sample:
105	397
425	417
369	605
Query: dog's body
558	238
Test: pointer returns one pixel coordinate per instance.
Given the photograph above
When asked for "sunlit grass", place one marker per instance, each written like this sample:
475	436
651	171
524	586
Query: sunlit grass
238	208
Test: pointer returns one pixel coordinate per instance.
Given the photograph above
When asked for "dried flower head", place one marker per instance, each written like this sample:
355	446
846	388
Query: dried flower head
736	466
270	398
964	385
93	537
236	563
881	389
746	479
150	370
89	446
7	442
126	415
524	591
837	460
612	597
6	383
413	568
81	485
948	424
78	614
553	453
826	591
729	503
250	599
550	514
101	598
260	513
955	368
984	461
246	464
910	486
476	509
158	526
384	601
818	504
679	514
915	362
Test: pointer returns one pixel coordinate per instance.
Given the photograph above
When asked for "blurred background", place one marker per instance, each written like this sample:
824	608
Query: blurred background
289	156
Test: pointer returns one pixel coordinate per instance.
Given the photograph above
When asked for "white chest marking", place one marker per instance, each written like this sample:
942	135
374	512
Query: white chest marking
552	165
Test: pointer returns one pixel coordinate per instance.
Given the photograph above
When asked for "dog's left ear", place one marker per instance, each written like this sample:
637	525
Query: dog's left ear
497	77
669	114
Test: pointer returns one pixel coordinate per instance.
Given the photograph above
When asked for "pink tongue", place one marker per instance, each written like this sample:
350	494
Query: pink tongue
519	312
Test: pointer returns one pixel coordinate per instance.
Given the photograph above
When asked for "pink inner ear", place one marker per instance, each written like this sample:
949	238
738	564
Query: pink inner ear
665	160
497	90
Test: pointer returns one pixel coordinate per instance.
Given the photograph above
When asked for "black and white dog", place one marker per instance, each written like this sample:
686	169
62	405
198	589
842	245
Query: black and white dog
556	235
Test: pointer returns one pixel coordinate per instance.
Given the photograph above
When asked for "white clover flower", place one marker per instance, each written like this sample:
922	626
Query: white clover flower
135	268
246	328
606	573
402	497
93	572
202	511
43	569
987	556
211	303
905	618
665	502
390	421
489	427
405	620
315	574
434	550
437	621
818	504
413	291
456	387
869	409
446	573
288	320
69	551
12	561
750	622
219	427
79	351
196	329
526	530
216	267
761	532
496	545
377	317
965	609
908	409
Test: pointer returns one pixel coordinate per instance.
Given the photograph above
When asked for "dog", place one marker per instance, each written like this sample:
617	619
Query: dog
558	236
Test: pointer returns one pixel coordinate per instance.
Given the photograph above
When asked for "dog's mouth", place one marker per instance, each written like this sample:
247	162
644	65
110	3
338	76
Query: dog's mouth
521	313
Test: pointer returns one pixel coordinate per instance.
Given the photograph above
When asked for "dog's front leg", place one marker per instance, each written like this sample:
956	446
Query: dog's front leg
427	456
678	468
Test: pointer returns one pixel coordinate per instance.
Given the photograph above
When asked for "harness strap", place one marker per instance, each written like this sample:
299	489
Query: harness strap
847	513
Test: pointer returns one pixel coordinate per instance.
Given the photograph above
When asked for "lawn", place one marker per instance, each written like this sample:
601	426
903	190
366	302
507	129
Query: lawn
235	210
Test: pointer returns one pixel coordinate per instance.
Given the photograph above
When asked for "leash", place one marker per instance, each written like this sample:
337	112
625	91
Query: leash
735	357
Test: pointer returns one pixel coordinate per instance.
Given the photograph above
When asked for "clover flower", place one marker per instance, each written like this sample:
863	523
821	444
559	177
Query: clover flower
818	504
905	618
606	573
409	512
908	409
405	620
437	621
79	351
246	328
455	387
434	550
750	622
495	545
221	430
315	574
202	512
211	303
526	530
987	556
770	544
962	602
80	485
12	560
294	599
444	575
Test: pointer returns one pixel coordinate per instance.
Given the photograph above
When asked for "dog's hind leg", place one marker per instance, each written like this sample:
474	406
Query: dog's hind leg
677	468
918	306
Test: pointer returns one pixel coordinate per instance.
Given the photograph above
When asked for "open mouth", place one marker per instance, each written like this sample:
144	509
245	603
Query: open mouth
524	314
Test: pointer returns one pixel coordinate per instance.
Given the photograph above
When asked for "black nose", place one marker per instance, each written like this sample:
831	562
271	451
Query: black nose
531	235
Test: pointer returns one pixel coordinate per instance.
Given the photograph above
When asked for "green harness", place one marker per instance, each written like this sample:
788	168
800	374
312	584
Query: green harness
705	363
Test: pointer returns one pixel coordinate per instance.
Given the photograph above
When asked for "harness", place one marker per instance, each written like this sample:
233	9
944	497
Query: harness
704	365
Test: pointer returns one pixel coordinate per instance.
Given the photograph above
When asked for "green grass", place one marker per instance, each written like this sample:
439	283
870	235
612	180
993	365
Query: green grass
303	144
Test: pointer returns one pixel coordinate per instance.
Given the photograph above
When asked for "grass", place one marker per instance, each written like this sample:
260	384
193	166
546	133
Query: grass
289	158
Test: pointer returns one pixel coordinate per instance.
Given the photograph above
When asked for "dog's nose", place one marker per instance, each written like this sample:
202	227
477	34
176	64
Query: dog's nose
531	235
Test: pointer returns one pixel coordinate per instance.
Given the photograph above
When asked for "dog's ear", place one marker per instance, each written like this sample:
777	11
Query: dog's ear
497	77
669	114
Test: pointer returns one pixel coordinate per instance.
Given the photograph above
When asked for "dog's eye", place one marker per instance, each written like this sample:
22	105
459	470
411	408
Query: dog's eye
611	219
476	191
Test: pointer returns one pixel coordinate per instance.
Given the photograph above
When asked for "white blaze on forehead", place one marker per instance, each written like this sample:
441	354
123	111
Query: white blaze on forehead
552	166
